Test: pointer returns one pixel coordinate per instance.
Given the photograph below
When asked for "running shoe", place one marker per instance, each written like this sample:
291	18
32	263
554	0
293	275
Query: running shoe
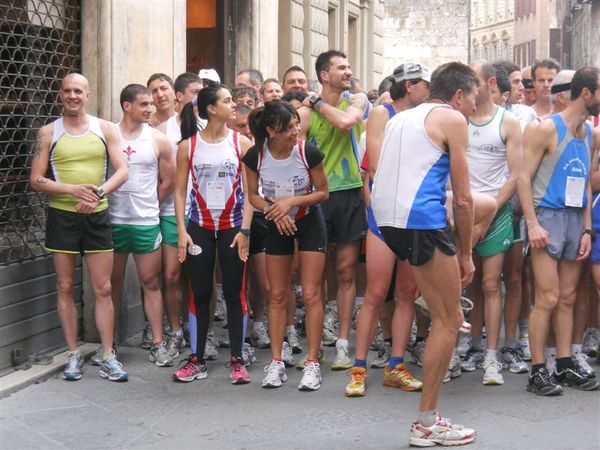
286	355
525	349
147	339
442	432
311	377
328	336
190	369
96	358
356	387
454	369
464	343
342	359
275	375
248	354
543	383
513	359
220	306
73	366
239	374
112	369
321	356
417	352
492	375
294	340
211	349
550	362
571	378
174	344
401	378
160	356
383	355
472	360
259	336
591	341
582	366
378	339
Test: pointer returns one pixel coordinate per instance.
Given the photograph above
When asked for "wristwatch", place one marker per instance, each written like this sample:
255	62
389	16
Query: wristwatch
314	100
589	231
245	231
100	193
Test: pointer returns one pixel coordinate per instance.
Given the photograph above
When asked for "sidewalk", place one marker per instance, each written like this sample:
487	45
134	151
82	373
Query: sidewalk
152	411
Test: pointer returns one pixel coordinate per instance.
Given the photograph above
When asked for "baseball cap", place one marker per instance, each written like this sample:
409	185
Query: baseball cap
411	71
209	74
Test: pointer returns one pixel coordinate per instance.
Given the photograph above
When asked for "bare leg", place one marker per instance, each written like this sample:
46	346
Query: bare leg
64	264
345	264
148	270
568	274
406	292
312	264
100	266
278	271
172	286
513	266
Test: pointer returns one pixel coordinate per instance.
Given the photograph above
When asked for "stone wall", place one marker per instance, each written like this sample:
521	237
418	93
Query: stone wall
586	36
431	32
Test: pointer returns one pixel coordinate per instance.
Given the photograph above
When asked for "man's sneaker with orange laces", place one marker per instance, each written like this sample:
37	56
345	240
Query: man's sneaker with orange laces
442	432
239	374
191	370
356	386
401	378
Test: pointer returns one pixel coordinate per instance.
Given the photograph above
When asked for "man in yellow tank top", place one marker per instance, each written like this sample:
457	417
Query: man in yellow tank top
76	148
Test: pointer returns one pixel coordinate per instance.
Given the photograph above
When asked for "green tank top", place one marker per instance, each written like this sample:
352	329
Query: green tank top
340	149
79	159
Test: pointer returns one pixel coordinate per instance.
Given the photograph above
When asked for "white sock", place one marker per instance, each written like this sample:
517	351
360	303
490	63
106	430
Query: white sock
550	351
576	348
342	342
491	354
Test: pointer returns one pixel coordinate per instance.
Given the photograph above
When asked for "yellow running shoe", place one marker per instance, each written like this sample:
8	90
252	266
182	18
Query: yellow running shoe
401	378
357	387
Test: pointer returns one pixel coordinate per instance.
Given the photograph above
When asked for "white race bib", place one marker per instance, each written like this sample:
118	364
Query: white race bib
215	195
574	191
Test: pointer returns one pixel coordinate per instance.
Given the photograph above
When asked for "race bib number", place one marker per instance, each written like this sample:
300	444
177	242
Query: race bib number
284	190
215	195
574	191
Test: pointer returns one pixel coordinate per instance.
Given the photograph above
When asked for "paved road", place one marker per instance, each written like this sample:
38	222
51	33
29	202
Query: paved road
151	411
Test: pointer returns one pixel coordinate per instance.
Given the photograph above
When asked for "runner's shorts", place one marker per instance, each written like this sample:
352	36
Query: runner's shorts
136	239
418	246
311	235
258	233
345	216
565	228
72	232
500	235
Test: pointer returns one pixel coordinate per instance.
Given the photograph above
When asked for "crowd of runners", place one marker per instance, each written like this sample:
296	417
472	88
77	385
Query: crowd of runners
469	192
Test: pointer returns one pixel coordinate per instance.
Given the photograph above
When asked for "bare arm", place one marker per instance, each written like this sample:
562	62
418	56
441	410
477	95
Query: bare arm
514	156
113	141
304	113
166	165
344	120
375	128
595	163
538	141
242	241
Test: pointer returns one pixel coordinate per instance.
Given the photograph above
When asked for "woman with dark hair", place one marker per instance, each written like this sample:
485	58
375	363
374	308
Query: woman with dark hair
219	221
293	182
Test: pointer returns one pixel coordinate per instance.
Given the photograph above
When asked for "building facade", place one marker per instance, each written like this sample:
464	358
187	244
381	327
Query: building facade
492	29
583	26
114	43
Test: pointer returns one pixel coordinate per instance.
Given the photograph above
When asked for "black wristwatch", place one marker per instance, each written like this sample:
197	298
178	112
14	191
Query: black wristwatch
100	193
315	100
245	231
588	231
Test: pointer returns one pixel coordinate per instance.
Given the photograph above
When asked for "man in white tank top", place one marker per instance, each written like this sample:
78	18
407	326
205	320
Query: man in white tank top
134	209
494	158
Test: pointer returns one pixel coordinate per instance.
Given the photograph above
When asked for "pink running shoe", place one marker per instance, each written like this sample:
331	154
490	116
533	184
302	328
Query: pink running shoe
191	370
239	374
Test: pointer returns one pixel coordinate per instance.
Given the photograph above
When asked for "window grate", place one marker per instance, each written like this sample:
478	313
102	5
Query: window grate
39	45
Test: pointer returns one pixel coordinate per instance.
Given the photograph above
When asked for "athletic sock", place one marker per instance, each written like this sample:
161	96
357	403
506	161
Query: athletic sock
564	363
342	342
476	342
106	355
394	361
360	363
549	351
177	333
535	368
523	326
511	343
491	354
427	418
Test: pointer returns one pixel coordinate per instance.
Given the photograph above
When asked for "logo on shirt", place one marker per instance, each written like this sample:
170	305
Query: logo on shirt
227	168
128	152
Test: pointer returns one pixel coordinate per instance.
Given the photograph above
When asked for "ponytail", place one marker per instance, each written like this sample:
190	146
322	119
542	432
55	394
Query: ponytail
207	96
189	122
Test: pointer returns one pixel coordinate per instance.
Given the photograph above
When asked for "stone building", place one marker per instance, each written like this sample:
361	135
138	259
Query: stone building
113	43
431	32
492	29
584	27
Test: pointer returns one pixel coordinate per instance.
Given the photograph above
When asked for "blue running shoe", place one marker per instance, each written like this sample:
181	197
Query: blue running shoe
112	369
73	367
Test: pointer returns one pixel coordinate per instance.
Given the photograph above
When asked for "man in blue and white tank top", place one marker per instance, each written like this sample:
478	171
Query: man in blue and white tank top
134	209
494	158
555	193
421	149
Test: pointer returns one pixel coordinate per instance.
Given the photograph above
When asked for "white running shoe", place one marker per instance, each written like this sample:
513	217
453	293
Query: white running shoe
584	368
525	349
276	375
513	359
383	355
248	354
417	352
591	341
211	349
492	375
259	336
342	359
311	377
442	432
286	355
294	341
454	367
464	343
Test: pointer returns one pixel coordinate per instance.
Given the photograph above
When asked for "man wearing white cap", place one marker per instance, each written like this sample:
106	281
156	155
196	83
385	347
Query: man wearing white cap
209	76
